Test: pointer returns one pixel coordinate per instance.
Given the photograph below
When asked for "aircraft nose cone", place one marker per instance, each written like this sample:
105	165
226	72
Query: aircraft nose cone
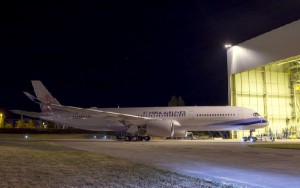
264	121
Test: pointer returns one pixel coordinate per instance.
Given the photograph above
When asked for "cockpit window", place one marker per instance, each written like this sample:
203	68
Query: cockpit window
256	114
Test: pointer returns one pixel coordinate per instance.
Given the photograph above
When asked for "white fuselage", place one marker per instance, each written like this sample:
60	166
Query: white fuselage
193	118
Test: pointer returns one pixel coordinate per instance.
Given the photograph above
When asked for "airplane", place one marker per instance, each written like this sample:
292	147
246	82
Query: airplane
140	123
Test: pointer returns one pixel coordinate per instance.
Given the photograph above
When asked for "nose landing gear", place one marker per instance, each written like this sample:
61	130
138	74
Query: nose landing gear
250	138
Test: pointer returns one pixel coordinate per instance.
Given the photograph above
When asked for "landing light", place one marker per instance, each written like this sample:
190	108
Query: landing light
95	137
26	136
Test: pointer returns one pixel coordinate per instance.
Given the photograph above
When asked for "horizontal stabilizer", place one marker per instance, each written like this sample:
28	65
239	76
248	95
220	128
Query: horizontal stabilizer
31	97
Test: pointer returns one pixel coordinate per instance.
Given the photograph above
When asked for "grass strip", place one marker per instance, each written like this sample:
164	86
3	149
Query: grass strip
45	164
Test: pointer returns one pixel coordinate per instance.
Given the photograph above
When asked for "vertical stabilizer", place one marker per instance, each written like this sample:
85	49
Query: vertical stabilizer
43	95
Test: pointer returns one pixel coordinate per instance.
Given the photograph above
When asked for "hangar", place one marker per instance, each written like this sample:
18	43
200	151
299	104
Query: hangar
264	74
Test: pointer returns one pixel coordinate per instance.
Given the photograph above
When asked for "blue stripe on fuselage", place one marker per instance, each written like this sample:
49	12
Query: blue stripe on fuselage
249	121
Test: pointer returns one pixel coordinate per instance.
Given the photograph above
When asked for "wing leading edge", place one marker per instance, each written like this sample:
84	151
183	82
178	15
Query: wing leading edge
102	114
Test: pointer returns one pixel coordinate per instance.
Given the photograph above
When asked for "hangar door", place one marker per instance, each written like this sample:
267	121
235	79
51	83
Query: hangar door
273	90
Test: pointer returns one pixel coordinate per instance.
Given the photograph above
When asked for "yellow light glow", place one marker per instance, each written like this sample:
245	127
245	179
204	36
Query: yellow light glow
1	118
297	87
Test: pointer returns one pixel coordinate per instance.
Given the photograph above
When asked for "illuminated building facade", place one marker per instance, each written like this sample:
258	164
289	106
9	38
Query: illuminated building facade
264	74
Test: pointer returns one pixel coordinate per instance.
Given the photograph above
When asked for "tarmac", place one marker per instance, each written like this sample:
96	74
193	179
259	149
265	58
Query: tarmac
231	162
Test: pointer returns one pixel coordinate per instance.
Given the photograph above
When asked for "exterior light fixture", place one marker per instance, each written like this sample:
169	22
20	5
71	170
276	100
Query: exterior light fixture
227	45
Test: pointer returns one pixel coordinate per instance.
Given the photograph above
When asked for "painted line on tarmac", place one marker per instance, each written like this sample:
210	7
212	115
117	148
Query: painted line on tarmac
228	179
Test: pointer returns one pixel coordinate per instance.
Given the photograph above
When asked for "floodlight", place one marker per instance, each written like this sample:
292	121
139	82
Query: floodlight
227	45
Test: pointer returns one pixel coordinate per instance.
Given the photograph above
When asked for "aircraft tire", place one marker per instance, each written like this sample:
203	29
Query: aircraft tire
147	138
127	138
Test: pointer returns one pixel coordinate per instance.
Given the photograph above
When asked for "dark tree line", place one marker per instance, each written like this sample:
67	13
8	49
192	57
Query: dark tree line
176	101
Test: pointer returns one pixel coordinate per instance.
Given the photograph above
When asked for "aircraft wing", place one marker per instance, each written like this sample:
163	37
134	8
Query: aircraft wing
29	114
124	118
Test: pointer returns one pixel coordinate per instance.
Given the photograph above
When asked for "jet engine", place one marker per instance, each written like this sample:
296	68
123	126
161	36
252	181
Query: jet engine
161	128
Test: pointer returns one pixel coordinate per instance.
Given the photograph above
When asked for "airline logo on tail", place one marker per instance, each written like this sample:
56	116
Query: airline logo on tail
42	95
47	99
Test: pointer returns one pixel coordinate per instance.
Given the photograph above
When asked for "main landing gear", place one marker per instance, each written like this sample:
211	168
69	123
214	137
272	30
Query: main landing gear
137	138
134	133
134	138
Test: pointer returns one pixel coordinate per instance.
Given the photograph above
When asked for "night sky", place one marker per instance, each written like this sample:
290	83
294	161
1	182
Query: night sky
127	53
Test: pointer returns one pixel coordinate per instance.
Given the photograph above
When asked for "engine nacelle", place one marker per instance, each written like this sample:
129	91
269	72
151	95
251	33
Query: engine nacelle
161	128
180	133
